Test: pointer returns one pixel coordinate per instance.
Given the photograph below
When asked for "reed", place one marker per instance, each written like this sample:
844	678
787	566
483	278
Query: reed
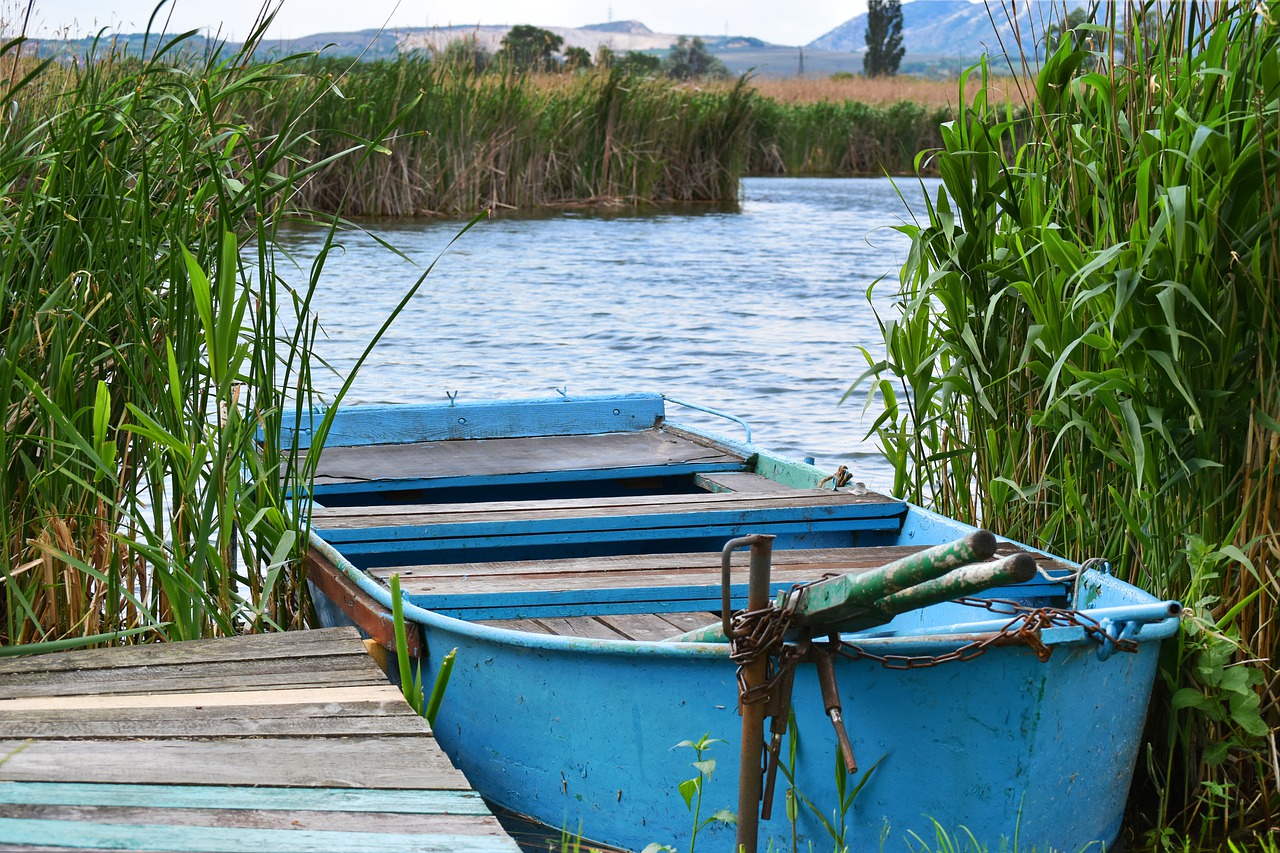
841	137
501	140
1084	357
146	342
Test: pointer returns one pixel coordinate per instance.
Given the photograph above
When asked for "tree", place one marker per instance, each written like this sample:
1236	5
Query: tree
531	48
884	38
577	58
690	60
465	52
639	63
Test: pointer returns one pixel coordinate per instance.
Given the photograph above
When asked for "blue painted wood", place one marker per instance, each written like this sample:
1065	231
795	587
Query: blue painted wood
862	516
219	839
834	534
230	797
398	424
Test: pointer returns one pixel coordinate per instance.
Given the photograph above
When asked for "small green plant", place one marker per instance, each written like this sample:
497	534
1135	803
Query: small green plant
411	681
691	791
837	827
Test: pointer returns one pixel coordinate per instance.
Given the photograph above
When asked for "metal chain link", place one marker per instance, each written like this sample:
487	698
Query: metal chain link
762	632
1023	629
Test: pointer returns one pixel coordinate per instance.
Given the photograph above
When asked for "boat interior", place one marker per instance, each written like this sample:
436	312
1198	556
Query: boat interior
607	536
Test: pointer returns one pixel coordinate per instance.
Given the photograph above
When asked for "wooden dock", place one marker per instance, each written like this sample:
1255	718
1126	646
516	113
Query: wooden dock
282	742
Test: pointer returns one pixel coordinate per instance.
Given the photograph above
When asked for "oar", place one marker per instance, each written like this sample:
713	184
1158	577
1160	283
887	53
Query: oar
854	596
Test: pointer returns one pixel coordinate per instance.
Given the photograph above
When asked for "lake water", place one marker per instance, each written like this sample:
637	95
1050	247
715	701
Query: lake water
757	310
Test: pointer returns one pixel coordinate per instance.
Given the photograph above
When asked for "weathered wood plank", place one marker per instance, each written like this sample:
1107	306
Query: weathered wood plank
347	518
236	840
213	677
343	762
740	482
432	460
331	719
533	626
341	821
688	621
834	560
638	626
323	642
518	584
579	626
423	802
380	693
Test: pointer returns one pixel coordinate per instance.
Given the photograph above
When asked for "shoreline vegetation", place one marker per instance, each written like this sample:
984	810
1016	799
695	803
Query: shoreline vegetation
1085	357
502	141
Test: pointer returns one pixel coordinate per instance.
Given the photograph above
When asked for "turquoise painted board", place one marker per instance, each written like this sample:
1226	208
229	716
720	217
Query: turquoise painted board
559	416
228	797
218	839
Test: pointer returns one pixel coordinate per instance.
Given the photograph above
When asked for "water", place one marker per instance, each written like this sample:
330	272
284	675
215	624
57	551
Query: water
758	311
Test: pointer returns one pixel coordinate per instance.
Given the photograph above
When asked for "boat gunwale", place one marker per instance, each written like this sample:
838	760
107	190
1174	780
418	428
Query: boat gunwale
754	456
895	645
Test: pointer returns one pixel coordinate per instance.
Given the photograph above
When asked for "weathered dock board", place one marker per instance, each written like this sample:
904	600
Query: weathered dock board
285	742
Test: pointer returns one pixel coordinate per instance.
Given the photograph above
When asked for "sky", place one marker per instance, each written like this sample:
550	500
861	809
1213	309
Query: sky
788	22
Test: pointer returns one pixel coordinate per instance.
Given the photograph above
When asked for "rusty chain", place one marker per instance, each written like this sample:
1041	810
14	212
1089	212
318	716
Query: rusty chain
762	632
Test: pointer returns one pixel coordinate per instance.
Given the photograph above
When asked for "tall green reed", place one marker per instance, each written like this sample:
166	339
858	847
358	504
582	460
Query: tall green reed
147	341
1085	357
504	140
841	138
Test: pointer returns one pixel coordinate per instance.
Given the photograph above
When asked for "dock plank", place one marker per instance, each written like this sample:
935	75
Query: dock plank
322	641
341	762
341	821
221	839
226	745
317	720
326	670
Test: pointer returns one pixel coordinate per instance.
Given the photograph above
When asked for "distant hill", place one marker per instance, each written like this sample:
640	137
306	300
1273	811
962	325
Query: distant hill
956	29
941	37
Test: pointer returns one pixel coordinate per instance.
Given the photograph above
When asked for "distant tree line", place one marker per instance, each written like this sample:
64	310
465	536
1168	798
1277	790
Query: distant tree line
527	48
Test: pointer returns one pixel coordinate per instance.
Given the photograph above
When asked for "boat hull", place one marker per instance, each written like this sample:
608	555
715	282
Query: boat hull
582	734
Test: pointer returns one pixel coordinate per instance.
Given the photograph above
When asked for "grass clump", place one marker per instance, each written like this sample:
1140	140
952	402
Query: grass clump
1085	357
146	341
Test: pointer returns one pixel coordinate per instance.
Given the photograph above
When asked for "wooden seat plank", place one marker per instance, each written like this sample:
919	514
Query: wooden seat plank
638	570
476	458
330	519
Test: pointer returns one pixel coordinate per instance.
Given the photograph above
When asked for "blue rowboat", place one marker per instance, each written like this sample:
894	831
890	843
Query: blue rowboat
558	545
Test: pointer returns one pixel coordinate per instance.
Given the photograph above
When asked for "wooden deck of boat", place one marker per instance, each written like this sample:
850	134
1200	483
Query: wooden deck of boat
646	450
277	742
457	587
